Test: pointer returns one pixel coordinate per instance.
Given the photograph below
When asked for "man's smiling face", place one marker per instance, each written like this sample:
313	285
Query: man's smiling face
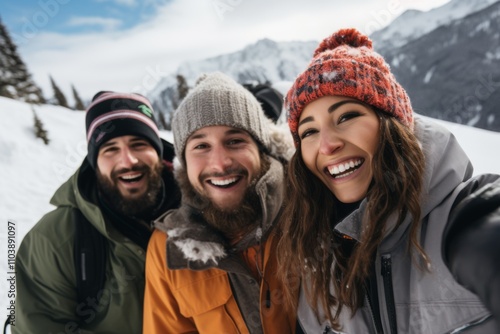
129	167
222	163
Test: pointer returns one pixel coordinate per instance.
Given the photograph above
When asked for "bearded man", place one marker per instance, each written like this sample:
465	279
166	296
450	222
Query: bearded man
125	182
211	265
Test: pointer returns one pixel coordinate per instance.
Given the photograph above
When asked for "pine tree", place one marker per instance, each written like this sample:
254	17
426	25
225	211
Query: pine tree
15	80
182	87
59	98
78	101
40	131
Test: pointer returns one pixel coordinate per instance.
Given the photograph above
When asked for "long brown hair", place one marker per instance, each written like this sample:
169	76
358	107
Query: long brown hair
307	248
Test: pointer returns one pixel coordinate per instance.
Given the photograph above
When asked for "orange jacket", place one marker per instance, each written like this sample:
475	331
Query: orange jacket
202	301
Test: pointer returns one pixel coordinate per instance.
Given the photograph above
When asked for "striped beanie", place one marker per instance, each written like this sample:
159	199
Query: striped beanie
219	100
113	115
345	64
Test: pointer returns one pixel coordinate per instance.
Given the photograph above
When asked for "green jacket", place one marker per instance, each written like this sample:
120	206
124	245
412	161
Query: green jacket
46	299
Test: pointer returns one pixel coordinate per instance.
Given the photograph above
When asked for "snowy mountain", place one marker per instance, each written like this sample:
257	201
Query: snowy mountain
413	24
447	58
453	72
264	61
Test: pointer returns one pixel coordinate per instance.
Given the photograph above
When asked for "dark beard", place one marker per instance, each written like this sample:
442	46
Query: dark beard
233	223
136	207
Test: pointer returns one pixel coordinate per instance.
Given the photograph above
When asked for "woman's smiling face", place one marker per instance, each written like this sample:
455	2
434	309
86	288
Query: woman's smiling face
338	139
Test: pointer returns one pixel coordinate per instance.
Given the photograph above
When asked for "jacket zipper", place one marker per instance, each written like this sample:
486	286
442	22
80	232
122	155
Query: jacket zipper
389	292
372	314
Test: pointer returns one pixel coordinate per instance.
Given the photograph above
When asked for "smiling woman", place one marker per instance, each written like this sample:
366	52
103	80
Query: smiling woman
332	124
370	192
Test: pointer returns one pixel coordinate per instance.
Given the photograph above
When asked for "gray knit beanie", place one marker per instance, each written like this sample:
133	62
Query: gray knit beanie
218	100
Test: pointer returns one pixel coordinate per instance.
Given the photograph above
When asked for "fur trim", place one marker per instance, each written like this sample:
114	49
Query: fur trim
281	141
195	250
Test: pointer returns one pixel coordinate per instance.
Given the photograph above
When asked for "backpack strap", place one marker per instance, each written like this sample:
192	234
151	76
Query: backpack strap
90	254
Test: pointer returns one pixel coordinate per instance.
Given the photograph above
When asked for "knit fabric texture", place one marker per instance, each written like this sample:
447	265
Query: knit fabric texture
345	64
217	99
112	115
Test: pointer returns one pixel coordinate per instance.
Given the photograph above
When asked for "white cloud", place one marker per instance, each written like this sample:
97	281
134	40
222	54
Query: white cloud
128	3
136	58
104	22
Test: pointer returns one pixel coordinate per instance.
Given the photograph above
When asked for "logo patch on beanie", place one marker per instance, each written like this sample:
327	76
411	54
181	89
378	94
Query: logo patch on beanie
99	136
145	110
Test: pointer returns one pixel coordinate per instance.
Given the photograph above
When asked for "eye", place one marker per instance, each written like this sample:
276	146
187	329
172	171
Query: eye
235	141
199	146
140	144
109	149
347	116
307	133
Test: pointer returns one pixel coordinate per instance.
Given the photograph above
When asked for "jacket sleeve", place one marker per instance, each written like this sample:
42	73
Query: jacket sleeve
161	310
46	296
472	245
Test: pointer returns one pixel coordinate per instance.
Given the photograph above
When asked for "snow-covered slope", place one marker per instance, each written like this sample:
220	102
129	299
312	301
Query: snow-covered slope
413	24
32	171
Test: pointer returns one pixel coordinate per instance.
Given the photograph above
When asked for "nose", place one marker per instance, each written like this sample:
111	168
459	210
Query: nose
128	158
219	159
330	142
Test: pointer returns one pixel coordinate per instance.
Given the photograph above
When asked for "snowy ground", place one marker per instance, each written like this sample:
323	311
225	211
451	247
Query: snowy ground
32	171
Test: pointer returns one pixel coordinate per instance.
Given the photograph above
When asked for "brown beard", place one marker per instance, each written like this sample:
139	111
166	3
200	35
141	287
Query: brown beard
132	207
234	222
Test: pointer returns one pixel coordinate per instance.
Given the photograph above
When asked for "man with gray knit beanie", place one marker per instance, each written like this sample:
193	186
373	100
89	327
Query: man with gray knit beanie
210	266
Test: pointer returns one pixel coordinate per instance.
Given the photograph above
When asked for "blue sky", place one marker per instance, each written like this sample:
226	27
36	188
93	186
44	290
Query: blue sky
128	45
75	17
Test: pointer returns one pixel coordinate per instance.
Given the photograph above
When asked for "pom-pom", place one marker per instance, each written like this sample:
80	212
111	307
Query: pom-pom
350	37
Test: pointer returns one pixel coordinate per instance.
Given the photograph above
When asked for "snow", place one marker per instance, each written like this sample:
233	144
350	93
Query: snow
428	75
474	120
482	27
408	26
31	171
493	56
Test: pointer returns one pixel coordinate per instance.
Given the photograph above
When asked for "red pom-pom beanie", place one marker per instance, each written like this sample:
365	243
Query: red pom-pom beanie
345	64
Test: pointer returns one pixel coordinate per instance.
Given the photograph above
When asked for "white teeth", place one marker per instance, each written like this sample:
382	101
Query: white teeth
130	177
224	182
344	175
341	168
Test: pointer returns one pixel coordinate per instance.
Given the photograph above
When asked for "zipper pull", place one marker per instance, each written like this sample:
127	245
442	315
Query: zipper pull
268	298
386	265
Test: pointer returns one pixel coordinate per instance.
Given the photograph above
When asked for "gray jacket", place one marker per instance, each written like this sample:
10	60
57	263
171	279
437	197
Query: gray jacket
413	300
